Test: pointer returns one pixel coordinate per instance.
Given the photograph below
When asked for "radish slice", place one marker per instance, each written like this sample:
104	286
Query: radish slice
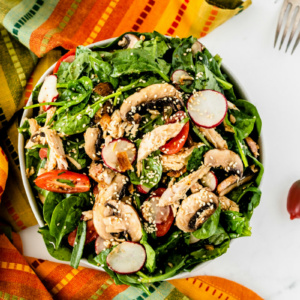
109	153
181	77
48	92
127	258
153	213
143	189
207	108
99	245
210	180
69	59
197	47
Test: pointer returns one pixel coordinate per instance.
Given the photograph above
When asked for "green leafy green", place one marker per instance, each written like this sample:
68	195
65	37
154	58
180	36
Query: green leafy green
209	227
196	159
78	245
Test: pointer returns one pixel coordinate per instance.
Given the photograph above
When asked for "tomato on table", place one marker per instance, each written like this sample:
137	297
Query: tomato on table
91	234
65	182
68	57
176	143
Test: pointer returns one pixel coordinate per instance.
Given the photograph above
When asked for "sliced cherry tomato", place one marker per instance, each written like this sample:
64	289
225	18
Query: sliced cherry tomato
164	227
68	57
43	153
65	182
91	234
176	143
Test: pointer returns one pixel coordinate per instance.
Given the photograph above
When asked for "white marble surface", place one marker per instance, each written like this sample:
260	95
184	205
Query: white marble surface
268	262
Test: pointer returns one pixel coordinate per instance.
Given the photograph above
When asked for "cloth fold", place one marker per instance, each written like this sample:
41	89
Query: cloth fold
33	278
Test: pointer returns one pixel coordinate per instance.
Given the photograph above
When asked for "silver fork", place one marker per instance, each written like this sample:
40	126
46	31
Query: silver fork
290	14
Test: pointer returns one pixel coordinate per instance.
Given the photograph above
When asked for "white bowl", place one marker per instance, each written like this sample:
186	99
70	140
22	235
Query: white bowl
31	198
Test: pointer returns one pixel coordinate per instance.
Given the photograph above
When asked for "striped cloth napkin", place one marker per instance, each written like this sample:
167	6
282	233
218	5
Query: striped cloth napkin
33	35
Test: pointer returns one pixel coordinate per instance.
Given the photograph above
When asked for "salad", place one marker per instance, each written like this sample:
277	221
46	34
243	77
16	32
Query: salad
142	158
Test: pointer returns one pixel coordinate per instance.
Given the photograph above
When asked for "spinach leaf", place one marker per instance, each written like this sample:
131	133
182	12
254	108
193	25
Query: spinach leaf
65	217
75	149
170	243
249	109
244	124
195	159
209	227
78	245
151	172
151	259
235	222
51	201
156	47
201	136
218	237
129	61
149	124
61	253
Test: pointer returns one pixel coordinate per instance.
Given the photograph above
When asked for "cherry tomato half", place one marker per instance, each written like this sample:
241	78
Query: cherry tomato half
65	182
176	143
91	234
164	227
68	57
43	153
293	200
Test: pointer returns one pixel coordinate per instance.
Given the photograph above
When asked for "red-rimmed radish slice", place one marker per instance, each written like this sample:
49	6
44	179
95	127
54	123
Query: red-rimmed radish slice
68	57
207	108
197	47
127	258
181	77
143	189
43	153
110	153
153	213
48	92
99	245
210	180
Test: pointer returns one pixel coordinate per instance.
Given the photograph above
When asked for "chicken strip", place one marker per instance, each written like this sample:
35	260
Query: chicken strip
178	191
57	157
214	137
176	162
154	139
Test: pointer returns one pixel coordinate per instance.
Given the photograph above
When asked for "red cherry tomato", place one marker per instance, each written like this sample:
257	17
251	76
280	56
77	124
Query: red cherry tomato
164	227
176	143
43	153
293	200
65	182
68	57
91	234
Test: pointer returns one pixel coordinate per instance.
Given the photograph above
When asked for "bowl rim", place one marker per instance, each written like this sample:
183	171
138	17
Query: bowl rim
239	89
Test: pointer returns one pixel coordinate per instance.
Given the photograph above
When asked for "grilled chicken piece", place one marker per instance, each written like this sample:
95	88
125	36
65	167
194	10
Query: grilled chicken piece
227	204
176	162
178	191
253	146
116	126
195	210
57	157
154	139
151	93
50	113
92	138
214	137
104	176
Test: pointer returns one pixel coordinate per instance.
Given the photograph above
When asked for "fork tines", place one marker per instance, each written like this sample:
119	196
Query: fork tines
289	18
